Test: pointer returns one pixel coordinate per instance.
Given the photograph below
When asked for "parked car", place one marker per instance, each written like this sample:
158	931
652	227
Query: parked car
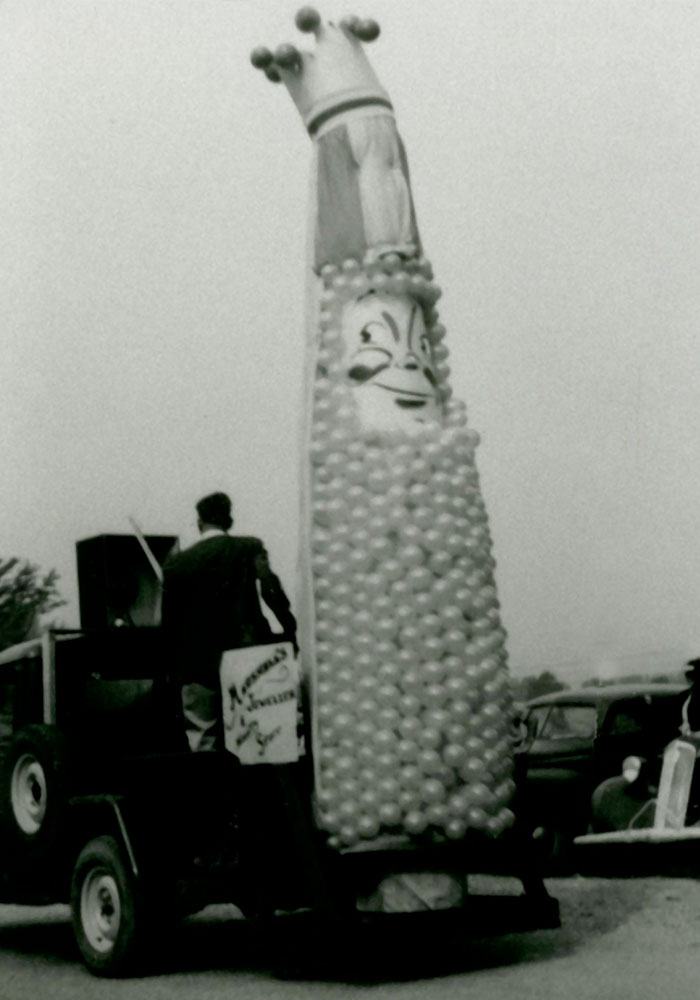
647	818
577	739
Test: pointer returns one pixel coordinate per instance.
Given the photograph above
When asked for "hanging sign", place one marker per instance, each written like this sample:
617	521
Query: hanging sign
260	694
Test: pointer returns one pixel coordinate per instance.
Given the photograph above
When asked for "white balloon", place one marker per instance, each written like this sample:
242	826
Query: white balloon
456	828
390	813
454	755
455	640
434	695
419	578
429	738
392	569
429	761
386	762
365	665
441	501
388	695
411	555
411	534
385	650
437	813
408	751
432	790
430	624
410	636
440	562
420	494
423	516
348	834
404	614
388	717
409	799
400	590
410	725
415	821
367	708
433	539
358	514
422	602
385	627
432	646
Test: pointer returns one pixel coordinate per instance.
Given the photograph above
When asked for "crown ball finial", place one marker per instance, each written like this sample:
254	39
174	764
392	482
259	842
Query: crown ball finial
287	56
272	74
350	23
367	29
307	19
261	57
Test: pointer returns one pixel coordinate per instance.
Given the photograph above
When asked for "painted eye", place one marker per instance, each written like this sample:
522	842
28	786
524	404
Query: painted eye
425	345
361	373
375	335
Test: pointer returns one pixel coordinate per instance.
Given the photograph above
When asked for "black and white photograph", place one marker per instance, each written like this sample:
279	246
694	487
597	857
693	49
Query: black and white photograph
350	499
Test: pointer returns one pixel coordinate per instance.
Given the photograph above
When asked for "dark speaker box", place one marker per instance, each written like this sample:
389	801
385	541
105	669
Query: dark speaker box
116	581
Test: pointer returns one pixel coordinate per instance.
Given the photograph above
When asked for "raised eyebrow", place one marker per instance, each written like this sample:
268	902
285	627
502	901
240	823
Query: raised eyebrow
391	323
414	313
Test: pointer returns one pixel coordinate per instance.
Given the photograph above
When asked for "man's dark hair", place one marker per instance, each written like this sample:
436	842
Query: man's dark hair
692	672
215	509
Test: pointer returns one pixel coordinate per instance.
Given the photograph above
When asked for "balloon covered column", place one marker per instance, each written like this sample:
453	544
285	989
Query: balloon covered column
402	643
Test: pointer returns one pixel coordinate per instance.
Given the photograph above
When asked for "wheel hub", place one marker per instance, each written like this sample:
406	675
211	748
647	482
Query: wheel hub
100	910
28	793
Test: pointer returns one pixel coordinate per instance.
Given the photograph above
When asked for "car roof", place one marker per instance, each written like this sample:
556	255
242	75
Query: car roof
603	694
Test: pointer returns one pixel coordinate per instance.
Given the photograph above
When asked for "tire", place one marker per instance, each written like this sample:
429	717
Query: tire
33	795
108	913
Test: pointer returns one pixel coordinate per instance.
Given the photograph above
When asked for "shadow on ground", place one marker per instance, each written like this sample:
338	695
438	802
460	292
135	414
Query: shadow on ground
378	950
392	950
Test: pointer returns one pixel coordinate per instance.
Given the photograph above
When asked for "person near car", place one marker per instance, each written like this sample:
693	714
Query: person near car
211	602
690	710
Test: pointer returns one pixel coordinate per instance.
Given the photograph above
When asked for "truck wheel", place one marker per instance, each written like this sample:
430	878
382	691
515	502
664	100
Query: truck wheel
33	797
107	913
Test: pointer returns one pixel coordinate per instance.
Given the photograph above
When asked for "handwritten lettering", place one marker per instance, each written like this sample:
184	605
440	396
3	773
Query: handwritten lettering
278	656
262	739
272	699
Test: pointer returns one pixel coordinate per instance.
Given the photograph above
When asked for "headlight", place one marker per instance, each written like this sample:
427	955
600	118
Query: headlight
631	767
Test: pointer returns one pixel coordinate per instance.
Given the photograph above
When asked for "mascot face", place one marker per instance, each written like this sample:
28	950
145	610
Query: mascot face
389	361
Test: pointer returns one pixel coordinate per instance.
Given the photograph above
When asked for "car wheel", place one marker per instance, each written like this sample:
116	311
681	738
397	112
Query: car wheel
33	798
108	913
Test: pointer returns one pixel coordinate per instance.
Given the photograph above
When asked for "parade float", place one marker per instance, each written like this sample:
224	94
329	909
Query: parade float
409	783
403	646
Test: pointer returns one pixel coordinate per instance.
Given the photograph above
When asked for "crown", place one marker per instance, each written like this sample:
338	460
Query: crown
335	77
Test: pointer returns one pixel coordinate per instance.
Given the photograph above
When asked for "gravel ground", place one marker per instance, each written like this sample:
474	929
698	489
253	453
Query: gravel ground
637	939
620	938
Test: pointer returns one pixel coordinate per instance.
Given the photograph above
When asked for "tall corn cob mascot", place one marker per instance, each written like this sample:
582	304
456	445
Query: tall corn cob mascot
401	633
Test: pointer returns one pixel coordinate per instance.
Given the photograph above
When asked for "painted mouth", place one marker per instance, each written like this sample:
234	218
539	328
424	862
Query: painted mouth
410	404
406	400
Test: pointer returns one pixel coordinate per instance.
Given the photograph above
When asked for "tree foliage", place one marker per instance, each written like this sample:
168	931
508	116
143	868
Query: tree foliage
535	685
25	593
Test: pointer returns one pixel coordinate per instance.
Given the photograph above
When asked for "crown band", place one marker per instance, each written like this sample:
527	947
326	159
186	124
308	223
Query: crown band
337	109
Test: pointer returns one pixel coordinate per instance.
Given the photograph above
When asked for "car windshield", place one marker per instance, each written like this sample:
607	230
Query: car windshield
561	722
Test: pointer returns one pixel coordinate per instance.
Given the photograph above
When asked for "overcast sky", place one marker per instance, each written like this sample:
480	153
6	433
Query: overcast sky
153	207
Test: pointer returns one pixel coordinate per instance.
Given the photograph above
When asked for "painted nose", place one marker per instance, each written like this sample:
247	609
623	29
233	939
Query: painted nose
409	362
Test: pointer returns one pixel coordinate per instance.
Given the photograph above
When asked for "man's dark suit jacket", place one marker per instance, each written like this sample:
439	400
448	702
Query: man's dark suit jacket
210	603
